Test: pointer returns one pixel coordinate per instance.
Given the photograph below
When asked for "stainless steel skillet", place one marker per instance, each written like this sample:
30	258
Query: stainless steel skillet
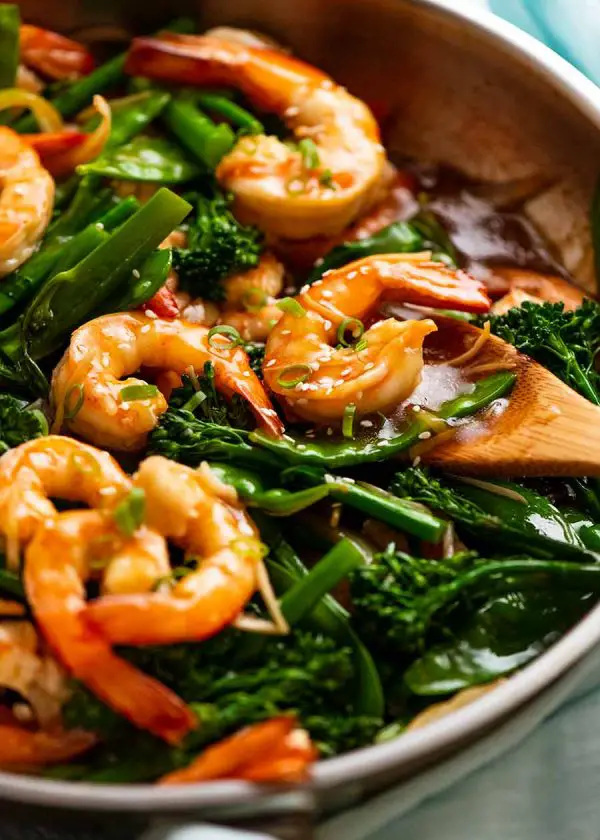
469	90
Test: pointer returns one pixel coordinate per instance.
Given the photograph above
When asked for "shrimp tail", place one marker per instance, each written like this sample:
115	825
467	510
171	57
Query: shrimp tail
19	746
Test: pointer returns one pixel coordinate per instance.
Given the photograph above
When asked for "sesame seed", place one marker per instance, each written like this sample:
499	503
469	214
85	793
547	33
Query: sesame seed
318	282
270	363
246	373
329	430
327	293
351	275
150	314
366	423
125	406
416	408
286	332
300	446
424	435
416	461
346	371
136	273
327	325
287	437
145	328
364	269
304	289
338	382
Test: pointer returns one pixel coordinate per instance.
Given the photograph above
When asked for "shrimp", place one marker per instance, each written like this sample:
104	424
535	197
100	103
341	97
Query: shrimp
57	563
317	381
201	515
52	467
26	201
546	287
27	669
110	411
53	54
318	188
23	747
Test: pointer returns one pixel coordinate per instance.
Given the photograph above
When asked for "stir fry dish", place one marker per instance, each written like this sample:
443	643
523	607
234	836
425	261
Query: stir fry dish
240	348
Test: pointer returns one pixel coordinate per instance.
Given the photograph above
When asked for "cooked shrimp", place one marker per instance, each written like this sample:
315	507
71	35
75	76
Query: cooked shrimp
317	189
23	747
201	515
112	346
52	467
250	300
27	669
56	566
546	287
318	381
26	201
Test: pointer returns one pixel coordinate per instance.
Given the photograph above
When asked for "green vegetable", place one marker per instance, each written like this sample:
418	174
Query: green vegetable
397	238
334	454
567	343
11	583
19	422
218	246
153	275
10	21
400	600
235	114
205	140
80	93
276	501
130	513
494	521
131	119
73	296
435	237
59	252
145	159
503	634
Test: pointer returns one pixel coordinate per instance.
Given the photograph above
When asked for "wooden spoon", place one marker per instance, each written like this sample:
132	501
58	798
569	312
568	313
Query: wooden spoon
546	429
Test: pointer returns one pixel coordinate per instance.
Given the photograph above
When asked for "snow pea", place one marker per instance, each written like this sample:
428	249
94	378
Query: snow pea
336	454
10	21
153	275
277	501
146	159
73	296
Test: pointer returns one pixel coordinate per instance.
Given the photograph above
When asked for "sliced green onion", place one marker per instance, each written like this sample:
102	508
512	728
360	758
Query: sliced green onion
73	411
290	306
254	299
348	421
85	463
295	186
194	401
130	513
361	345
309	152
227	332
286	378
353	326
326	179
138	392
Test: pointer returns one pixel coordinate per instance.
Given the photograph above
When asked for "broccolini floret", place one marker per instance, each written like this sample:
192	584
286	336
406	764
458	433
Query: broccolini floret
217	247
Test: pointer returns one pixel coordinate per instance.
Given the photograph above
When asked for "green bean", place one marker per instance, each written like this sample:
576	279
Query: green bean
205	140
231	111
